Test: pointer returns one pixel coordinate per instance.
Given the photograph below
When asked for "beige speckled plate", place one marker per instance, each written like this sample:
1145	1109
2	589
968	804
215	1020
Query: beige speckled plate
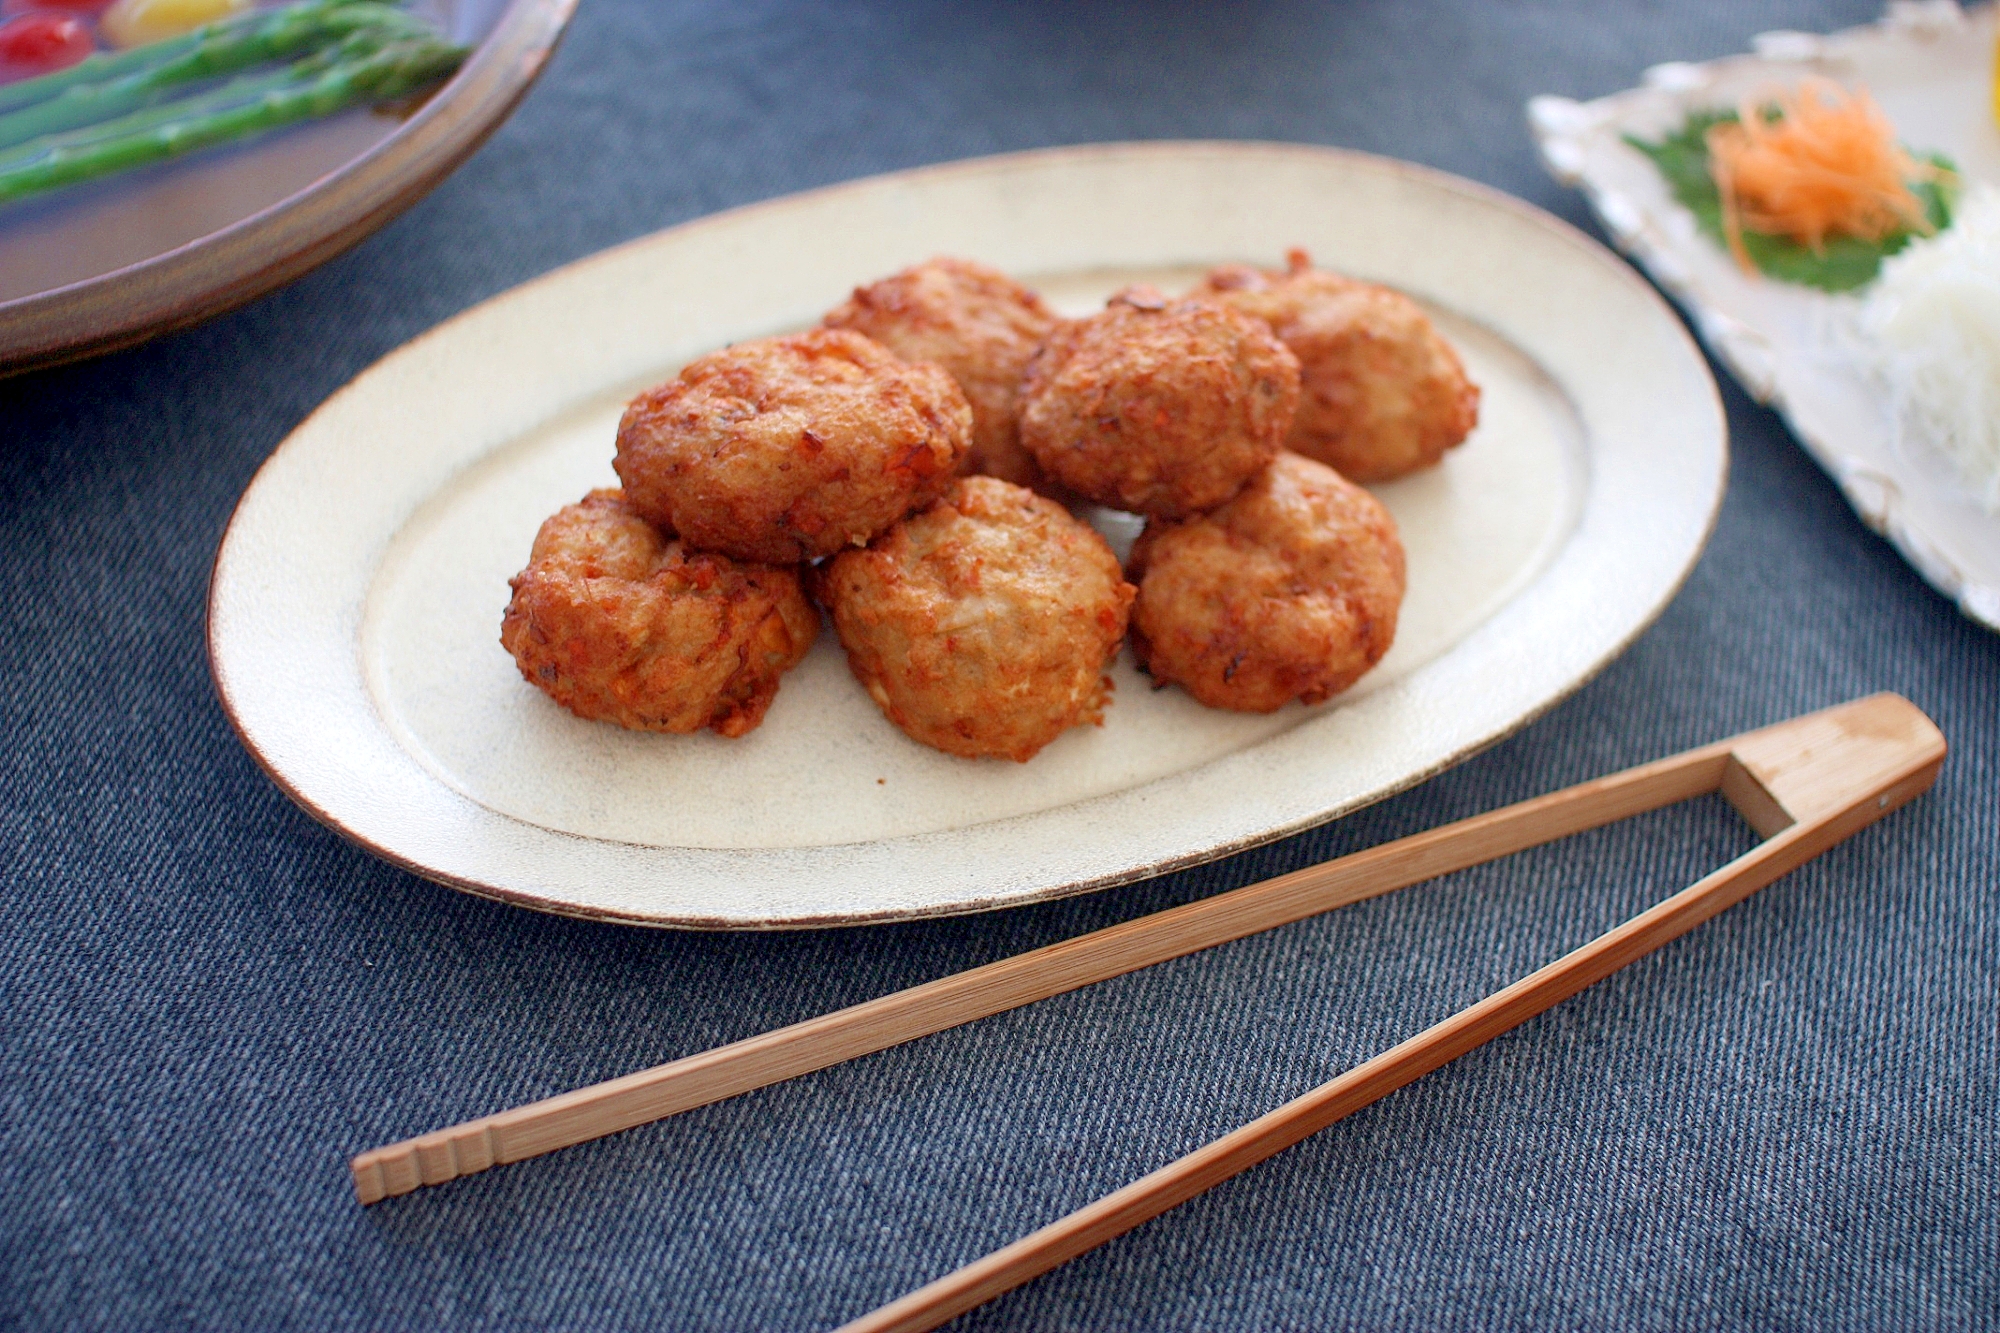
355	608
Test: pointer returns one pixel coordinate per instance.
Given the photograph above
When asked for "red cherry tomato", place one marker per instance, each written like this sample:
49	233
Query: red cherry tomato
54	6
40	44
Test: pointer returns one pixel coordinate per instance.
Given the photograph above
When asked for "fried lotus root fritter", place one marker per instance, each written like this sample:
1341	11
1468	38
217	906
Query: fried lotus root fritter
982	626
1384	393
619	623
977	323
787	449
1165	408
1289	591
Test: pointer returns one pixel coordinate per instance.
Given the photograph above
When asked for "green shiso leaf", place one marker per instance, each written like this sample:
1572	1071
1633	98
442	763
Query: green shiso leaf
1845	262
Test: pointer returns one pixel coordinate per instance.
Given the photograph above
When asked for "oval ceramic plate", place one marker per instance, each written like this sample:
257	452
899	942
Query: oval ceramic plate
355	608
104	265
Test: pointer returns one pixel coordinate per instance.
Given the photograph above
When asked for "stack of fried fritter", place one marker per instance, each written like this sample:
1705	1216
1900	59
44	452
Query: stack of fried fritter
979	613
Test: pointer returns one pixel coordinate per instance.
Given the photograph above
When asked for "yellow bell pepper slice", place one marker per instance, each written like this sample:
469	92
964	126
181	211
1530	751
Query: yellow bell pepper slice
137	22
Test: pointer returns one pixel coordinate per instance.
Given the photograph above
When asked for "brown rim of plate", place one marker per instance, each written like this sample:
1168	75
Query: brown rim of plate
242	261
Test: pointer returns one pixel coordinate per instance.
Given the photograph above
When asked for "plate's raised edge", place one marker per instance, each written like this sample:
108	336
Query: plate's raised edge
242	261
1561	126
1587	245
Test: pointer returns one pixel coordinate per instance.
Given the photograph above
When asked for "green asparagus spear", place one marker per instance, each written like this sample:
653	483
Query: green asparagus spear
111	64
217	98
392	71
227	50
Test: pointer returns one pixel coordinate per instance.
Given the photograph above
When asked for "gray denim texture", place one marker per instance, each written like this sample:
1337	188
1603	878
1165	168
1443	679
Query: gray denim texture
1785	1120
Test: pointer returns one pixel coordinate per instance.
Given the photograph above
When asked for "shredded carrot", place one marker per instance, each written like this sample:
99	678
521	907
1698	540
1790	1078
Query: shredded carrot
1827	165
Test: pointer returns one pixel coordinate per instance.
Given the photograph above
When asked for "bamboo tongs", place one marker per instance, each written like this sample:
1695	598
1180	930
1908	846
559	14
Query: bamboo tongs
1803	785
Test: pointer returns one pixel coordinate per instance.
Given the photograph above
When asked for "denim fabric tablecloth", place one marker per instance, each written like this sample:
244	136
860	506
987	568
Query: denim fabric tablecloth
1787	1119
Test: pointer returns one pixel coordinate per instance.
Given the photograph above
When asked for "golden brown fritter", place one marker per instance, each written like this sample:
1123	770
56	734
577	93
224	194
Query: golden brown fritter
1384	393
1164	408
787	449
982	625
1289	591
977	323
618	623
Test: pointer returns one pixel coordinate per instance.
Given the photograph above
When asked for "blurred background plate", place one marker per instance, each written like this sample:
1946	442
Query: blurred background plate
1930	67
116	262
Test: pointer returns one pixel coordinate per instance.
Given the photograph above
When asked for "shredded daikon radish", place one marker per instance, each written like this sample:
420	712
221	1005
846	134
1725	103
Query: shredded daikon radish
1931	324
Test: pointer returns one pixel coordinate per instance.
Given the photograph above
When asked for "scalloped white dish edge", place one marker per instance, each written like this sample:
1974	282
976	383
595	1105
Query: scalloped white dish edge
1759	328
